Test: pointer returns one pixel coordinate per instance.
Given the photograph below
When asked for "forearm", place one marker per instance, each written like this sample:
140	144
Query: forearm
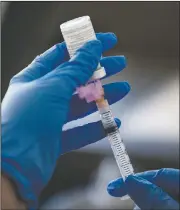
9	196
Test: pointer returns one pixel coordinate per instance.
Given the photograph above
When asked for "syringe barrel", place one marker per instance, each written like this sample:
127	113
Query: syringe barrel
76	33
115	140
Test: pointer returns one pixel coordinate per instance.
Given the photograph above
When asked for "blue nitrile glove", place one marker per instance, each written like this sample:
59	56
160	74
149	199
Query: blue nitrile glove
40	100
158	189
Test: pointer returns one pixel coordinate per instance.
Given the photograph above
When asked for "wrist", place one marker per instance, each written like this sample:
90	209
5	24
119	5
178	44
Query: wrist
23	185
10	197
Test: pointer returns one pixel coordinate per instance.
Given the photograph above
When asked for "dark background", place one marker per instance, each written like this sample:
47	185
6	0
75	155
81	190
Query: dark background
148	34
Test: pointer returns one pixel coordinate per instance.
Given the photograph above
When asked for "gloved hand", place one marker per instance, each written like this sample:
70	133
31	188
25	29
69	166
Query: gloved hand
158	189
40	100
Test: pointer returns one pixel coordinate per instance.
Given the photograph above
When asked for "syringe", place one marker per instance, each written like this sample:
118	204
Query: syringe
112	131
114	137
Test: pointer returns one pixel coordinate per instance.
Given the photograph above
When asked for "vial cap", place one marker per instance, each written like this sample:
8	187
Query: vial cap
98	74
74	23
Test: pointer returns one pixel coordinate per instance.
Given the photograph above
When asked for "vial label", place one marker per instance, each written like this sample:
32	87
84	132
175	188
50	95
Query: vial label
76	33
77	38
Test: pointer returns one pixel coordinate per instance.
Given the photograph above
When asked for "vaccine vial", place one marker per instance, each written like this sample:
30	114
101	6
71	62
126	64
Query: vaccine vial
76	33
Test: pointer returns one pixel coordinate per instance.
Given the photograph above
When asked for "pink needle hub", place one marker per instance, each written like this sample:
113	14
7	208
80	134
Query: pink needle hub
91	92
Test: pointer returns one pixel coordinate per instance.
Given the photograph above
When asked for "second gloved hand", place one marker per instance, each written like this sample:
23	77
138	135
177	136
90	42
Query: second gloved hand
150	190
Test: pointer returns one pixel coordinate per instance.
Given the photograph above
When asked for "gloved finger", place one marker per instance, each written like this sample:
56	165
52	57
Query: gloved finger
113	64
78	70
108	40
113	92
81	136
147	195
55	56
166	178
43	64
58	54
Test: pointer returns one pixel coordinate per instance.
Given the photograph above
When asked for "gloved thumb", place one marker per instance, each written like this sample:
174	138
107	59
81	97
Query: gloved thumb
147	195
79	69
